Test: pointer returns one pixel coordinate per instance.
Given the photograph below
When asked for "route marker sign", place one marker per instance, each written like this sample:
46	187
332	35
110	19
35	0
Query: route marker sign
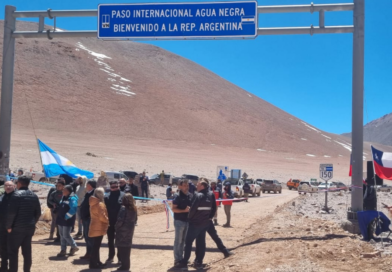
153	21
326	171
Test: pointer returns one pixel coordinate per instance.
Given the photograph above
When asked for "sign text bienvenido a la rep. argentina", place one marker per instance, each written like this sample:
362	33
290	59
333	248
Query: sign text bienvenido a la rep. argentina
178	20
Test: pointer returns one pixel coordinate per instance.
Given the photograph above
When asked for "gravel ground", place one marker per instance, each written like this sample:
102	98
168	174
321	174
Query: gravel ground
289	241
312	205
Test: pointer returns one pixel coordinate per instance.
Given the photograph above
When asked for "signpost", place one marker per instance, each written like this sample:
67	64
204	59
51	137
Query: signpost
326	173
213	20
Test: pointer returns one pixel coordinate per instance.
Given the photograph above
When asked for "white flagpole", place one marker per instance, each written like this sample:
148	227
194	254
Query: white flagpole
40	157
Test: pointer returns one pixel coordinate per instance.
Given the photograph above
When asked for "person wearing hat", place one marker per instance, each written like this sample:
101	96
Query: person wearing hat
66	216
227	194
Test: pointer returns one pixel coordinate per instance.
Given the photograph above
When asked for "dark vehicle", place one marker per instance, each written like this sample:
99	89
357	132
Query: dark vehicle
271	186
130	174
156	179
340	186
193	178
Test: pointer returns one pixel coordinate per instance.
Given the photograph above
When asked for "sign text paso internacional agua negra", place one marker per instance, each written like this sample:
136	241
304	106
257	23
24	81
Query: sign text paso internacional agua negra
177	13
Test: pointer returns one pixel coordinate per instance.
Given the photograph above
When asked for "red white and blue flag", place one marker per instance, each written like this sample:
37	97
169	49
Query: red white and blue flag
382	162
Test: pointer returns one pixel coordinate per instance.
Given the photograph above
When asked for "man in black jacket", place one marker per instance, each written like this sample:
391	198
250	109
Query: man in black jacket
113	201
53	200
23	214
86	218
200	214
9	188
129	188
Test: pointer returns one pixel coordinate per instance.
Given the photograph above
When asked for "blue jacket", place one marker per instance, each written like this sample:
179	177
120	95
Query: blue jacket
67	210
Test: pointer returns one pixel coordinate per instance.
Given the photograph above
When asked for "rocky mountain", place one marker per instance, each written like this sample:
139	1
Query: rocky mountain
378	131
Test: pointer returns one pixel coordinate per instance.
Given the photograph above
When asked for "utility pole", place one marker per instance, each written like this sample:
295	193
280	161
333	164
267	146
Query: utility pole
7	89
357	106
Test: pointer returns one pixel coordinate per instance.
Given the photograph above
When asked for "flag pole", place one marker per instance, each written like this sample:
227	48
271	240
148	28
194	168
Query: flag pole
42	165
375	188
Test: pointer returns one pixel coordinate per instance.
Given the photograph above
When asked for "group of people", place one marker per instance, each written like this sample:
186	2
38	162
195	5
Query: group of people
20	211
113	214
107	208
100	210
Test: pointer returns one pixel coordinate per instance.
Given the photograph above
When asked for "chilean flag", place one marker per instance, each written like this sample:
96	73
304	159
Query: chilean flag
382	162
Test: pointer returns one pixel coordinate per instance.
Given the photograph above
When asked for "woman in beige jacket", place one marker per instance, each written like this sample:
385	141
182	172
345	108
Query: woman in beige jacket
98	226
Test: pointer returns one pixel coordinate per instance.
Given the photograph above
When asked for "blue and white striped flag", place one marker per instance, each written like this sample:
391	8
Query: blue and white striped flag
55	164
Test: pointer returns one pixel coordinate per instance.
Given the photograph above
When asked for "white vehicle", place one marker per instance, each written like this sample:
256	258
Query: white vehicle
384	188
115	176
327	185
307	187
254	187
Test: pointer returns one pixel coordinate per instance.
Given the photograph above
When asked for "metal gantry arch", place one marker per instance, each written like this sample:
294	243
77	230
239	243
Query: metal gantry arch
358	8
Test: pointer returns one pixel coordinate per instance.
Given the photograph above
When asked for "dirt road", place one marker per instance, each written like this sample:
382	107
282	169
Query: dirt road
153	245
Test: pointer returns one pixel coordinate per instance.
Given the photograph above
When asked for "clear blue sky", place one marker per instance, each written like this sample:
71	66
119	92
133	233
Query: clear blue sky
307	76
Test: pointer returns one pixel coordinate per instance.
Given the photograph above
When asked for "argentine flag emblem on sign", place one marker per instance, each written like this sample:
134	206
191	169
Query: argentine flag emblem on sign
54	164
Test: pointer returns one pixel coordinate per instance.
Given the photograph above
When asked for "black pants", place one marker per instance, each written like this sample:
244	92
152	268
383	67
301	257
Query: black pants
94	259
3	249
197	233
17	239
111	236
214	236
124	254
145	192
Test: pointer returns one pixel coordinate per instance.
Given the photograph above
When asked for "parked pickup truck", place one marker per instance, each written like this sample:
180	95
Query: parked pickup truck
293	184
271	186
254	187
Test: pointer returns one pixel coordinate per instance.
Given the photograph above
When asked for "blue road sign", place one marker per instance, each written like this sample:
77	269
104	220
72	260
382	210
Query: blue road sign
214	20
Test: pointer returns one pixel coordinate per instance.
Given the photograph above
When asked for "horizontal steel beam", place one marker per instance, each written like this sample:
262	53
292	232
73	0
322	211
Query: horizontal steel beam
260	9
260	31
305	30
56	34
56	13
305	8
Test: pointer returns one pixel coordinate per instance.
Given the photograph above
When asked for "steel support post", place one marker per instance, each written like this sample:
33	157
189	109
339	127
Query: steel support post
357	105
7	86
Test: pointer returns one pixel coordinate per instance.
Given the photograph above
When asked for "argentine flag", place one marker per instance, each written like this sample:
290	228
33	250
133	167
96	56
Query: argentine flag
55	164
